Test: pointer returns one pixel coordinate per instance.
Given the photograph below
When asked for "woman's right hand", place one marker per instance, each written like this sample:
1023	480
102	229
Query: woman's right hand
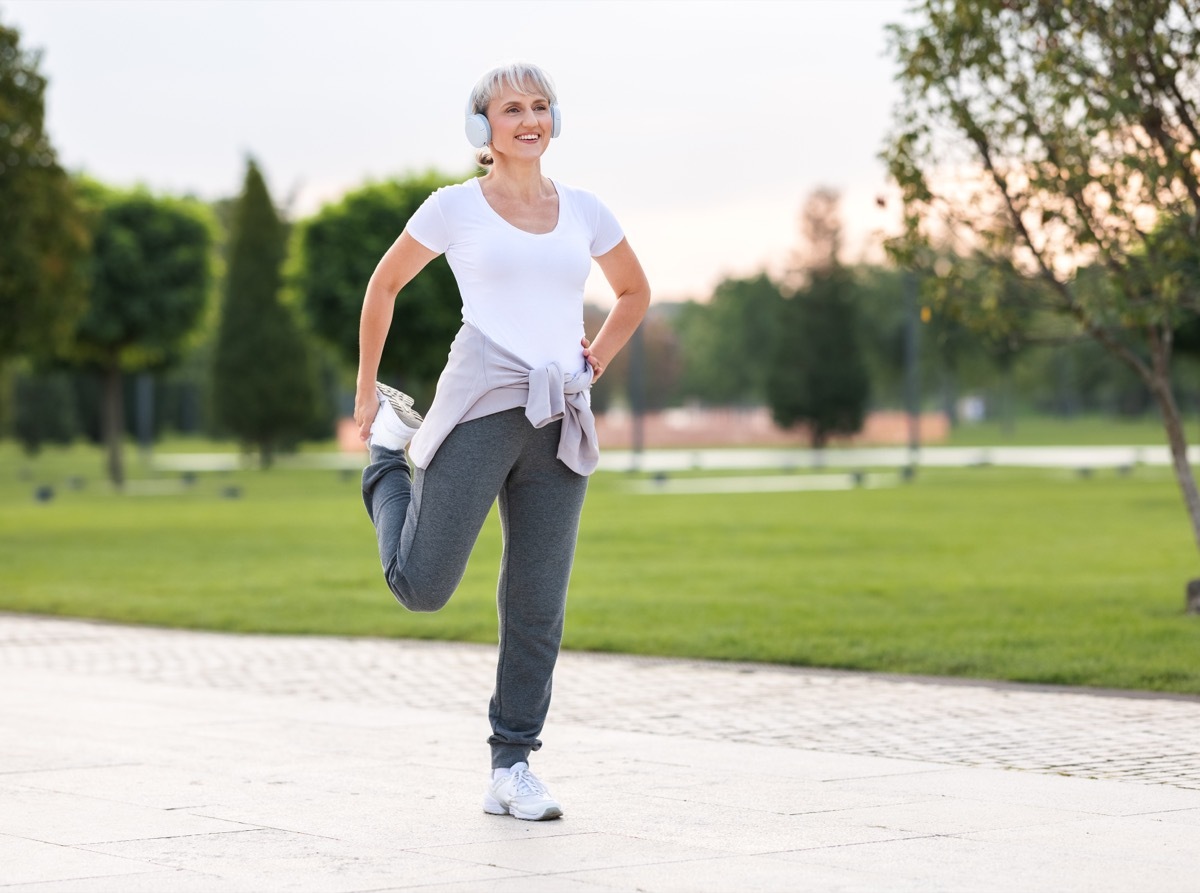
366	406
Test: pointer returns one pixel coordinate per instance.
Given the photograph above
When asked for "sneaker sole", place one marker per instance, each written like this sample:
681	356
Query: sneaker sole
494	807
401	404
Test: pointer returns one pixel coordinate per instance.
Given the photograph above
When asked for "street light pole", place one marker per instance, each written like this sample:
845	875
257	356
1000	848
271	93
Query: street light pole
912	381
637	390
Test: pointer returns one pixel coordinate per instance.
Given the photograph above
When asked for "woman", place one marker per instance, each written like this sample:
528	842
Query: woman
511	418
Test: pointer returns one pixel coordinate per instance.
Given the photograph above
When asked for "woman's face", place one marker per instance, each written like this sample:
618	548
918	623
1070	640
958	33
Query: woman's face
521	124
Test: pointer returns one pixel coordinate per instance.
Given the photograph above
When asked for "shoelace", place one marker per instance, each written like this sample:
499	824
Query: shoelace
525	783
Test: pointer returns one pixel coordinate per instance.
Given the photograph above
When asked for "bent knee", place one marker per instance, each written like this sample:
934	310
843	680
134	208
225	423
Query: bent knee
419	599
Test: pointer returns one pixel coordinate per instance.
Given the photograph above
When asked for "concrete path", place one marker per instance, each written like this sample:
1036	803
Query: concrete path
150	760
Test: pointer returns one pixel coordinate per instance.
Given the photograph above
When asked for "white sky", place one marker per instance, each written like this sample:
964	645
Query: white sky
703	125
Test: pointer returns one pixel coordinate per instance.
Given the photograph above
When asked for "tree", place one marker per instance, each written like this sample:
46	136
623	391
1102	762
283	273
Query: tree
43	237
339	248
725	342
817	374
150	275
1057	138
263	386
44	409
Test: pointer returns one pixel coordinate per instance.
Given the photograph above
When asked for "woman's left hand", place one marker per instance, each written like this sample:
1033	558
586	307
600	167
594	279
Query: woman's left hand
592	360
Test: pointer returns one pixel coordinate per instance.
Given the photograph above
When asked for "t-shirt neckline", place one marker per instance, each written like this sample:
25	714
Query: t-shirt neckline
498	216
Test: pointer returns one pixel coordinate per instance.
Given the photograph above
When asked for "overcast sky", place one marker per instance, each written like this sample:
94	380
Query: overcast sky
703	125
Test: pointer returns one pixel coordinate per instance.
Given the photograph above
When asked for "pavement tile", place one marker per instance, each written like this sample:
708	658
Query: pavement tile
725	830
525	883
1175	816
278	860
568	851
944	815
25	861
1143	840
64	818
783	796
610	750
955	863
158	880
157	787
1098	796
740	873
388	823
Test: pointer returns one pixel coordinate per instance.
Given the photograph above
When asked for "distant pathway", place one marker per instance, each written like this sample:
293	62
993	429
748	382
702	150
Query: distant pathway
1154	740
1124	458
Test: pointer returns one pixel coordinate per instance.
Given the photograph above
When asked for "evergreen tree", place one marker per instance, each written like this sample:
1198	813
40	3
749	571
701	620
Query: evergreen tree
263	387
818	376
817	372
43	238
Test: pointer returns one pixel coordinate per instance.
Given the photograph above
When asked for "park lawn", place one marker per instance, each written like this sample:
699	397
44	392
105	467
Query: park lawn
1082	430
988	573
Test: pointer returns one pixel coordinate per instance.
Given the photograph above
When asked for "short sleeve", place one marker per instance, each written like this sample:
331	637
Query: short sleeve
428	226
607	233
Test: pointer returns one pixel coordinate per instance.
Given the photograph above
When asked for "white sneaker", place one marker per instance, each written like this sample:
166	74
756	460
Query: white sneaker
521	795
396	421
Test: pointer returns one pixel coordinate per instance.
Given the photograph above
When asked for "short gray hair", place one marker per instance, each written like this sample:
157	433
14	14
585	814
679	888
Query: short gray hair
524	77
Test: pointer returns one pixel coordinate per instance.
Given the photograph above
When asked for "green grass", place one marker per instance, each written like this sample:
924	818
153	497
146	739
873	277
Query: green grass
1052	431
982	572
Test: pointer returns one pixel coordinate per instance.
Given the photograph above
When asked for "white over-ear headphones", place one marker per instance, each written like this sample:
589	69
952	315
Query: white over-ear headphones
479	131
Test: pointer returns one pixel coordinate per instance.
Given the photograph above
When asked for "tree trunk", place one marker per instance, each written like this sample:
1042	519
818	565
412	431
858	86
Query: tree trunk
1160	384
114	424
1157	377
1183	474
950	395
1179	457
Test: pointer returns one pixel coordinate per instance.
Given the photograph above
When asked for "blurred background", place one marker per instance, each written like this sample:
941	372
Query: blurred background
943	229
739	144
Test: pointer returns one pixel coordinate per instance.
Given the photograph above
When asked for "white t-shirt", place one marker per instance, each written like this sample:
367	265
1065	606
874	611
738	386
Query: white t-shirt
523	290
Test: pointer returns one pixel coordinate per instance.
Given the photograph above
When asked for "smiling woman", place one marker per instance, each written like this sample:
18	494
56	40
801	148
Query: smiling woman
511	418
529	104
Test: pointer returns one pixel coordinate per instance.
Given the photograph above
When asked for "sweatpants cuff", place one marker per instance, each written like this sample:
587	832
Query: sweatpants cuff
508	755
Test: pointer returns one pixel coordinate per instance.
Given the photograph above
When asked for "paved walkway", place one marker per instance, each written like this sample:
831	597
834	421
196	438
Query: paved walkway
142	759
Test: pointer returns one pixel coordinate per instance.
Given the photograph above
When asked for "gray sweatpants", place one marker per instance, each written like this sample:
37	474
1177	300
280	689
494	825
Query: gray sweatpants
428	525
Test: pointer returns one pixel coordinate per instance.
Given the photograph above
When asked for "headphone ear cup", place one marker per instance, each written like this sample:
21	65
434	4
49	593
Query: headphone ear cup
555	120
479	131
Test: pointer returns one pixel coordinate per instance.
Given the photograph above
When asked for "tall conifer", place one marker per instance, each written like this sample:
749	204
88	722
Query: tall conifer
263	390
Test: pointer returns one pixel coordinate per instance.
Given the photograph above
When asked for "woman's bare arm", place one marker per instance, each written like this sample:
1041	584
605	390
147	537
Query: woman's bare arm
399	264
624	273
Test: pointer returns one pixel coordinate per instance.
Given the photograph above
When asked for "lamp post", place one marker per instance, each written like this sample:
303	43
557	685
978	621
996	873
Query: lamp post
912	380
637	391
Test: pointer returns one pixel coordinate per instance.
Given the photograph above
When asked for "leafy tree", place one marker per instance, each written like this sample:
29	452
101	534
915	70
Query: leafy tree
150	274
339	248
818	376
263	386
817	372
1059	139
878	294
44	409
43	237
725	342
